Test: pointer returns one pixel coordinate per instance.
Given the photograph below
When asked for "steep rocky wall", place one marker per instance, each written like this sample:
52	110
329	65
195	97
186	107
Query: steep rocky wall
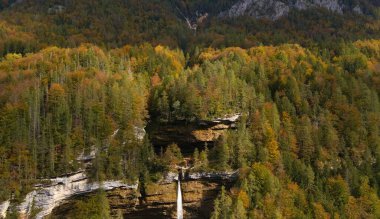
190	135
199	192
46	197
274	9
122	200
159	199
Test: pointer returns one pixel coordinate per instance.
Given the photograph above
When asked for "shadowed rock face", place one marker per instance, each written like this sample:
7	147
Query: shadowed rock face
198	197
58	190
274	9
186	136
199	192
125	199
190	135
159	199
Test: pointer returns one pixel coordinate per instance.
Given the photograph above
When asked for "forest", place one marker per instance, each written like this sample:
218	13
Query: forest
109	24
309	131
307	87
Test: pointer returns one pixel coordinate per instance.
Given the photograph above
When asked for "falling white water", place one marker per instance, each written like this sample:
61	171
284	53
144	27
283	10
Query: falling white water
179	201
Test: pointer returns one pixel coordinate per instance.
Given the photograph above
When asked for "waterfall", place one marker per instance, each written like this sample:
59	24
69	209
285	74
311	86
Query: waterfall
179	201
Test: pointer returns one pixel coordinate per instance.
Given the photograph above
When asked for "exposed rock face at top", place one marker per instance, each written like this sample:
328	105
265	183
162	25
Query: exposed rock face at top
274	9
189	135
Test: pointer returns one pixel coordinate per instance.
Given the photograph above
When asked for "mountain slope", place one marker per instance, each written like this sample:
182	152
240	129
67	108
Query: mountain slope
114	23
274	9
309	130
80	79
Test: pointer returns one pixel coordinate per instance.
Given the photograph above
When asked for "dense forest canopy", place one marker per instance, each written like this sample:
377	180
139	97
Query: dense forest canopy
85	76
309	131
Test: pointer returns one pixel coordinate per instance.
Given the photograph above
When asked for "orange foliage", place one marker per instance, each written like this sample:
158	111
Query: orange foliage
155	80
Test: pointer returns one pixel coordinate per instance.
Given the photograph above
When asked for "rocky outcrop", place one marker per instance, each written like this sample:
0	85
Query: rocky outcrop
3	209
198	197
139	132
211	130
189	135
212	176
207	135
158	200
193	20
46	197
271	9
274	9
199	192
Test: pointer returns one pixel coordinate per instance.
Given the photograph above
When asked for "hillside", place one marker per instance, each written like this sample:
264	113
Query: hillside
109	107
310	124
111	24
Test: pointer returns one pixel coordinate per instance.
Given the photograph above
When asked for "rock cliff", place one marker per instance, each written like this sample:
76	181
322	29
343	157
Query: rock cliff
46	197
274	9
158	200
188	135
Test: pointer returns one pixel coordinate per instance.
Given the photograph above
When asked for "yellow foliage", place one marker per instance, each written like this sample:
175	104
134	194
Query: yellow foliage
212	54
243	196
177	59
320	212
369	47
56	89
271	144
13	56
